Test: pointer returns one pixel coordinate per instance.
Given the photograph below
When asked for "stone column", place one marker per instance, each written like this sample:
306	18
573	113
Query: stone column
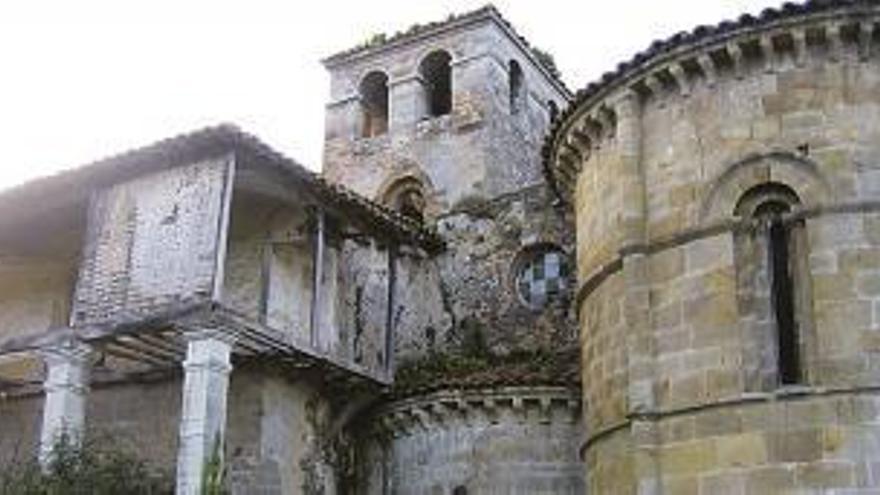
407	102
203	418
67	381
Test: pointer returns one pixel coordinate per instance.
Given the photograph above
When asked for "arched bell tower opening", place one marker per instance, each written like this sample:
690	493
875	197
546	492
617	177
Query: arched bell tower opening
373	92
436	73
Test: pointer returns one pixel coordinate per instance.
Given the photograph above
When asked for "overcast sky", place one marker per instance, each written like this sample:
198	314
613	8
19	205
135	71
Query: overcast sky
85	79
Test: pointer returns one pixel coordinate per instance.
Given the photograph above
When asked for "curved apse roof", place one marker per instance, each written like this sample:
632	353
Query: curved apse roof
685	41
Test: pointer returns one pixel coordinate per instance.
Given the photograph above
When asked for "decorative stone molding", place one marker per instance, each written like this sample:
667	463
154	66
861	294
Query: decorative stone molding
540	405
799	173
833	33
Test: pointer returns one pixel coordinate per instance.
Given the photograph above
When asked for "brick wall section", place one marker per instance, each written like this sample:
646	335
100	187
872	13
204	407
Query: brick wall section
151	241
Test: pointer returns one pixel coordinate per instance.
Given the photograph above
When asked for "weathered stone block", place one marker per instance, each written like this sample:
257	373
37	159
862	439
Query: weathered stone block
739	451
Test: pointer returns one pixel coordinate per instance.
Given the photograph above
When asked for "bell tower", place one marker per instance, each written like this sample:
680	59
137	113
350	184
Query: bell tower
443	113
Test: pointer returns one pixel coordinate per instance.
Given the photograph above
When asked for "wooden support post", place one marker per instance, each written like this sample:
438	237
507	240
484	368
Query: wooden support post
318	270
389	323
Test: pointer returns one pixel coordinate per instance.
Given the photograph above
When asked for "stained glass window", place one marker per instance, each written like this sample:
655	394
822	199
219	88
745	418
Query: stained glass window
543	278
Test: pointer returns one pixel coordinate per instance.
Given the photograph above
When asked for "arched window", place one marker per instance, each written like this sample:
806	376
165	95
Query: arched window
770	264
407	197
374	104
436	72
516	89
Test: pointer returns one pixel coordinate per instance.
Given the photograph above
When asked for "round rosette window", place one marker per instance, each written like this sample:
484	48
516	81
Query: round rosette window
542	276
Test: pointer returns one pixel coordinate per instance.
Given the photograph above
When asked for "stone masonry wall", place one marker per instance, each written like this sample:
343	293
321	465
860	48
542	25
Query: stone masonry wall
277	426
34	295
690	412
480	149
141	415
20	422
480	170
440	301
487	242
518	440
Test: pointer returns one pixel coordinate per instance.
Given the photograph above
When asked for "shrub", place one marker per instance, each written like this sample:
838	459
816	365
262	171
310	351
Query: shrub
96	466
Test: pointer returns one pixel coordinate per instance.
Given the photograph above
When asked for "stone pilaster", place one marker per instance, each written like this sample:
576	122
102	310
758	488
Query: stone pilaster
66	385
637	306
407	102
203	418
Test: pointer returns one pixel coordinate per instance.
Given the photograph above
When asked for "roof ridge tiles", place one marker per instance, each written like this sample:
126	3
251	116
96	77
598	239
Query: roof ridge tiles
661	46
177	147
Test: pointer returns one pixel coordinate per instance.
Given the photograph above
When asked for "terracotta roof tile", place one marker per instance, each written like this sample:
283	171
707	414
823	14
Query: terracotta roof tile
564	370
698	34
201	143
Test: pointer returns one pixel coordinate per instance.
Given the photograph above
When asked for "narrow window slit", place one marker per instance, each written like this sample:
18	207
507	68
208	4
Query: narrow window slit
769	267
782	288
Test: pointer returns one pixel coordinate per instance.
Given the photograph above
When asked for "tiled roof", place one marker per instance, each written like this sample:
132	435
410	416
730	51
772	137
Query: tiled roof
487	11
202	143
562	368
725	29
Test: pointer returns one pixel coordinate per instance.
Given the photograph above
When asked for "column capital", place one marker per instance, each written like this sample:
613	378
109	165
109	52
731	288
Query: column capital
70	350
199	334
409	78
209	350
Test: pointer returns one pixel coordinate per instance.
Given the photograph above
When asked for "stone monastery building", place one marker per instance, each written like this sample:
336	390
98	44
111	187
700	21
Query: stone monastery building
666	283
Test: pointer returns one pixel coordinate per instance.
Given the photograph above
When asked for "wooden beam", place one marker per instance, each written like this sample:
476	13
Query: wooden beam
318	270
223	223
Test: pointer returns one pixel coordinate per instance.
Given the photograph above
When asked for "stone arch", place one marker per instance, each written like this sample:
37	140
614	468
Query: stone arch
409	192
373	94
773	288
435	69
796	172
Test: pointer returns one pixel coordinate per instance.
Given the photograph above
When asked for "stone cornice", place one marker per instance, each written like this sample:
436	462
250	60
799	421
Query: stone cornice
540	405
781	395
485	14
614	264
704	56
